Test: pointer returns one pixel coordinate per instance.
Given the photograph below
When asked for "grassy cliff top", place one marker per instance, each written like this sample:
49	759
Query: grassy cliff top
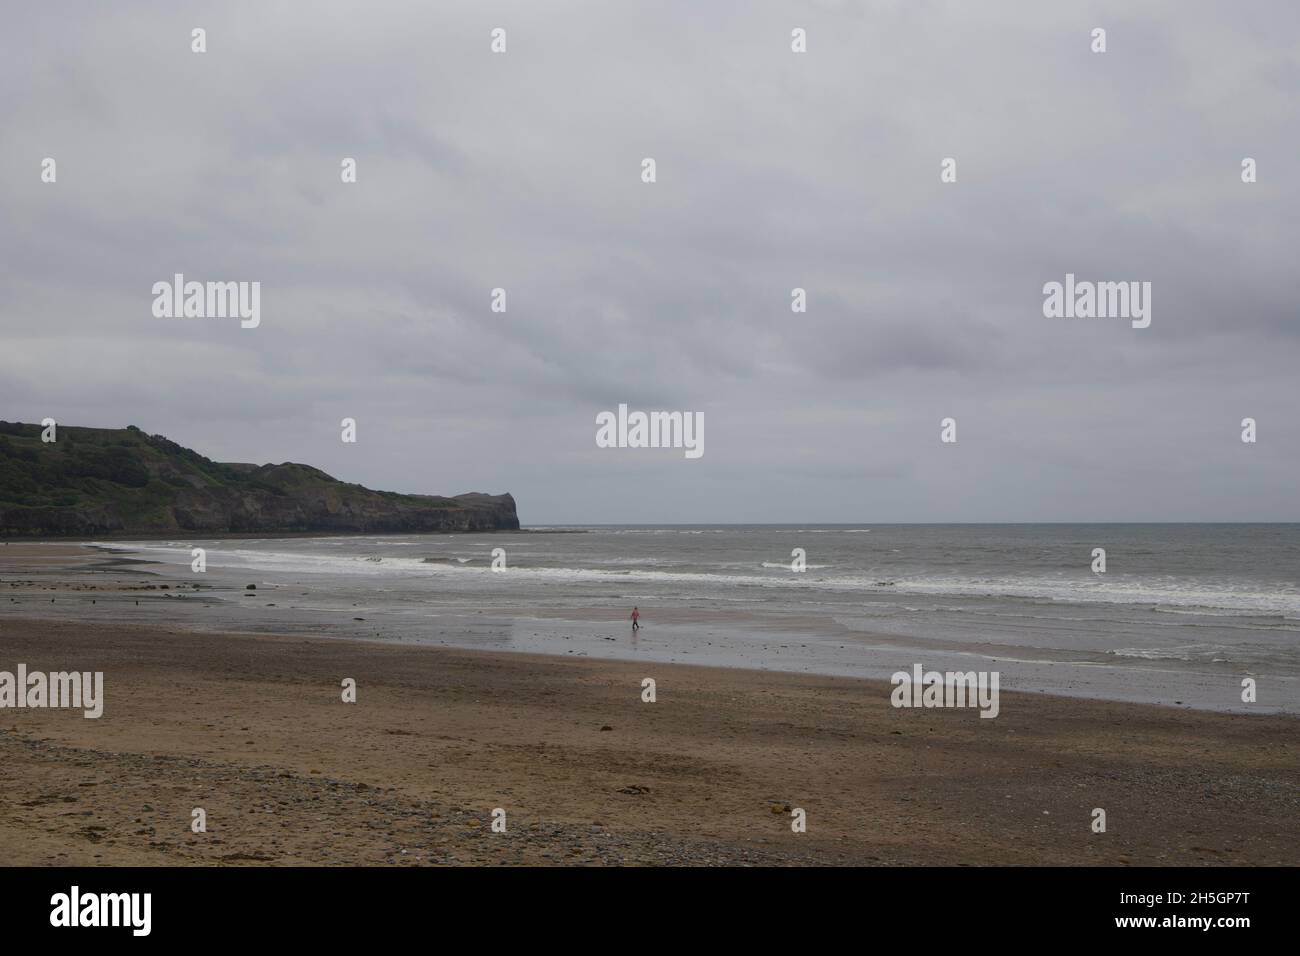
143	481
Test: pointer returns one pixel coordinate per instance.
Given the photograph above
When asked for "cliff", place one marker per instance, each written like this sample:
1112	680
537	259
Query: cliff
99	481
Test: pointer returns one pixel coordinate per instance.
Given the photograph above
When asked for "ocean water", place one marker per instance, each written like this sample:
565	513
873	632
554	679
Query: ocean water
1182	613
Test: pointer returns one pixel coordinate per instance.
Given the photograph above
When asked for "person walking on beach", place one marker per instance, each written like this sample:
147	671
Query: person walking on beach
635	616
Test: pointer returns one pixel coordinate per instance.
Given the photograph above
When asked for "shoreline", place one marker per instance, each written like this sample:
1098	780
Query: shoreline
92	583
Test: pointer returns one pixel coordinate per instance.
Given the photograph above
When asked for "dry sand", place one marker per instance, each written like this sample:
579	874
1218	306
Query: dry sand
253	730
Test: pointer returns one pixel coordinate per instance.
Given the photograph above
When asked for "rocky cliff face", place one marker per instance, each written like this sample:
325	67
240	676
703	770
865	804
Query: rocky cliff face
348	508
107	481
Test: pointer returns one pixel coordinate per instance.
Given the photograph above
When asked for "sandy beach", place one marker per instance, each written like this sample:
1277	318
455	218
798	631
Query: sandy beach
252	728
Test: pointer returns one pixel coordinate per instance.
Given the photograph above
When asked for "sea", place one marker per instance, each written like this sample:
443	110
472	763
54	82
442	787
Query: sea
1205	616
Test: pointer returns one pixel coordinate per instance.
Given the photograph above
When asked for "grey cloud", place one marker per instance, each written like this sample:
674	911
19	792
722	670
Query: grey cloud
775	171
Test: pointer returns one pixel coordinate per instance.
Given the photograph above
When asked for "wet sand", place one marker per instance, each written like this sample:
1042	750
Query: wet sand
252	729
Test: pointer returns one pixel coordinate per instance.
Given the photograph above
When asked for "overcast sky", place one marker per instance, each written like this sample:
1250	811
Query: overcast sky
775	170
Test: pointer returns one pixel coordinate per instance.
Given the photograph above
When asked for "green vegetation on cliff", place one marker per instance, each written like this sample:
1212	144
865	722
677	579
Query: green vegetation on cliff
103	481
